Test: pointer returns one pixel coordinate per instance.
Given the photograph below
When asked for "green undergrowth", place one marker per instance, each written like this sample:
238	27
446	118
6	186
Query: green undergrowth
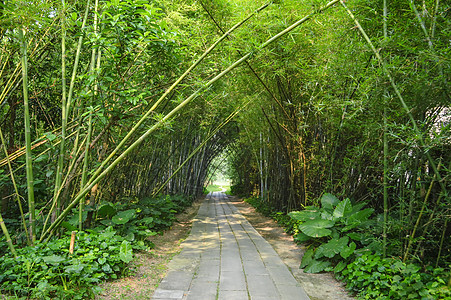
343	238
102	252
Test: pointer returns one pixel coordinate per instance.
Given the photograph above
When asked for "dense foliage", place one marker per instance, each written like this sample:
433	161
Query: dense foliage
49	271
326	118
105	104
341	238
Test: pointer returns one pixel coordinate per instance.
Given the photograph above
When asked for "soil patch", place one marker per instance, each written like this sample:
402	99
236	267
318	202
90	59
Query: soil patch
318	286
149	268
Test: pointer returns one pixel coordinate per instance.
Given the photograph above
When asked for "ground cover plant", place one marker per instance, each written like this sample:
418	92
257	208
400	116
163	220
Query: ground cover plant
49	270
343	239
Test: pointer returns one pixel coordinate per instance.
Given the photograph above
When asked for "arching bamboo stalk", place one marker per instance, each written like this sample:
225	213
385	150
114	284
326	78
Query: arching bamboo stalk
97	177
171	88
8	237
211	135
385	181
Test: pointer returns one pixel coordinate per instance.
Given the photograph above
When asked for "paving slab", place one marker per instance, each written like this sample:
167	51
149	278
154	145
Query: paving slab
225	258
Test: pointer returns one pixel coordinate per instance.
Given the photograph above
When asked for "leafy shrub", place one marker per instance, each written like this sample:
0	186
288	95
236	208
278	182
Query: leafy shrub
136	221
47	271
335	232
373	277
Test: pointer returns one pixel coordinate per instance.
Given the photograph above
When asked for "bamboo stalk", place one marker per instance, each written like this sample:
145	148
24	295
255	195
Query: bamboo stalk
401	99
88	141
445	226
209	137
434	19
66	103
8	237
249	66
36	143
84	172
385	183
77	59
423	27
29	163
171	88
64	183
59	168
16	191
97	177
417	223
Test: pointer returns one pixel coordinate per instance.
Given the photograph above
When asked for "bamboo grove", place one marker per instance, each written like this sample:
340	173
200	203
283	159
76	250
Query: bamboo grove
109	101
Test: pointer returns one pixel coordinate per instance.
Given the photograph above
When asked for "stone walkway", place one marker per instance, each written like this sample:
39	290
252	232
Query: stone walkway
225	258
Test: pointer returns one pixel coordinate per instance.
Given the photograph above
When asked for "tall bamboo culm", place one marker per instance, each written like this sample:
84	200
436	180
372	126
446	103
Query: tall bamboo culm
29	162
384	233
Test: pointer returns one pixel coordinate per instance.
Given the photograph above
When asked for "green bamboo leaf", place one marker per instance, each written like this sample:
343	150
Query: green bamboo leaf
317	227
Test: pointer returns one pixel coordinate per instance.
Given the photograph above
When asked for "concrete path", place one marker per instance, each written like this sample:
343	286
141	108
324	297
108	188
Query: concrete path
225	258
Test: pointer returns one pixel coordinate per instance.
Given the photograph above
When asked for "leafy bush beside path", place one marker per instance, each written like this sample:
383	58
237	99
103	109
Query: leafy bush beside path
49	271
341	237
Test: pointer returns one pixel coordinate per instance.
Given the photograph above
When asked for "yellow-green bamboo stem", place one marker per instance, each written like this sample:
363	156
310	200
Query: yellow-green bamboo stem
445	226
84	172
434	19
36	143
59	168
96	178
8	237
423	27
88	141
40	154
66	103
417	223
16	190
77	59
29	163
63	183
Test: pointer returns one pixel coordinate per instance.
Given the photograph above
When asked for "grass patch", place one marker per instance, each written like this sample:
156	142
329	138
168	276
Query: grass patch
213	188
